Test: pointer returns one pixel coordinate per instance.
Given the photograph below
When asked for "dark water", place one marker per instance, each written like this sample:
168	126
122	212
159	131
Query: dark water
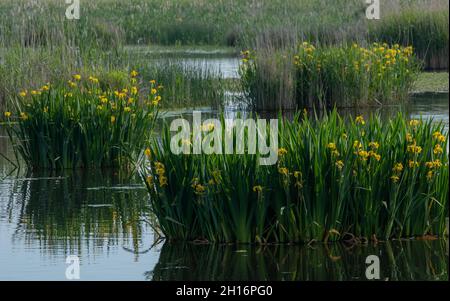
104	219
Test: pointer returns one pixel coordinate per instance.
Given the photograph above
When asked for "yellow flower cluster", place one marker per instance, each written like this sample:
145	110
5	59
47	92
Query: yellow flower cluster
198	188
282	152
439	137
161	172
245	56
283	171
378	59
339	164
438	149
413	164
414	123
434	164
147	152
414	148
257	188
332	147
397	170
360	120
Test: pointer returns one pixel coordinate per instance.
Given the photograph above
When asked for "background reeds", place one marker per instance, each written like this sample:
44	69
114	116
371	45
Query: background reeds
36	37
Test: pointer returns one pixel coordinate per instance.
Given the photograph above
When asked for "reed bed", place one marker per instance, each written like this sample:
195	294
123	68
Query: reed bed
426	31
82	124
327	77
37	40
197	22
186	85
335	179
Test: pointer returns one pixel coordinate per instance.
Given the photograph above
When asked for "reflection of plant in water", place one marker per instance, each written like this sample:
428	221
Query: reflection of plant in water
408	260
71	210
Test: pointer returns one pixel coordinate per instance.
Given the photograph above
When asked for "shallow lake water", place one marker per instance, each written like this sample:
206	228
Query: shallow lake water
104	219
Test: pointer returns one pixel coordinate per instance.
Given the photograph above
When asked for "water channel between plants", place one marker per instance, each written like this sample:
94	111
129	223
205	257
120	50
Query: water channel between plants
104	218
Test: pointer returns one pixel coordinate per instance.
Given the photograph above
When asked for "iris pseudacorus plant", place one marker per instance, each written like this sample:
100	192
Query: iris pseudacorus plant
81	125
334	177
354	75
329	76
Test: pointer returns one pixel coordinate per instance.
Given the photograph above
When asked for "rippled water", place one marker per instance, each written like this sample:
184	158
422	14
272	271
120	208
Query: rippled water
103	217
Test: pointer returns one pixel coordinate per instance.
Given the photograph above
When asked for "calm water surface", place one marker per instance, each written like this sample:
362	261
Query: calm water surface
104	218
